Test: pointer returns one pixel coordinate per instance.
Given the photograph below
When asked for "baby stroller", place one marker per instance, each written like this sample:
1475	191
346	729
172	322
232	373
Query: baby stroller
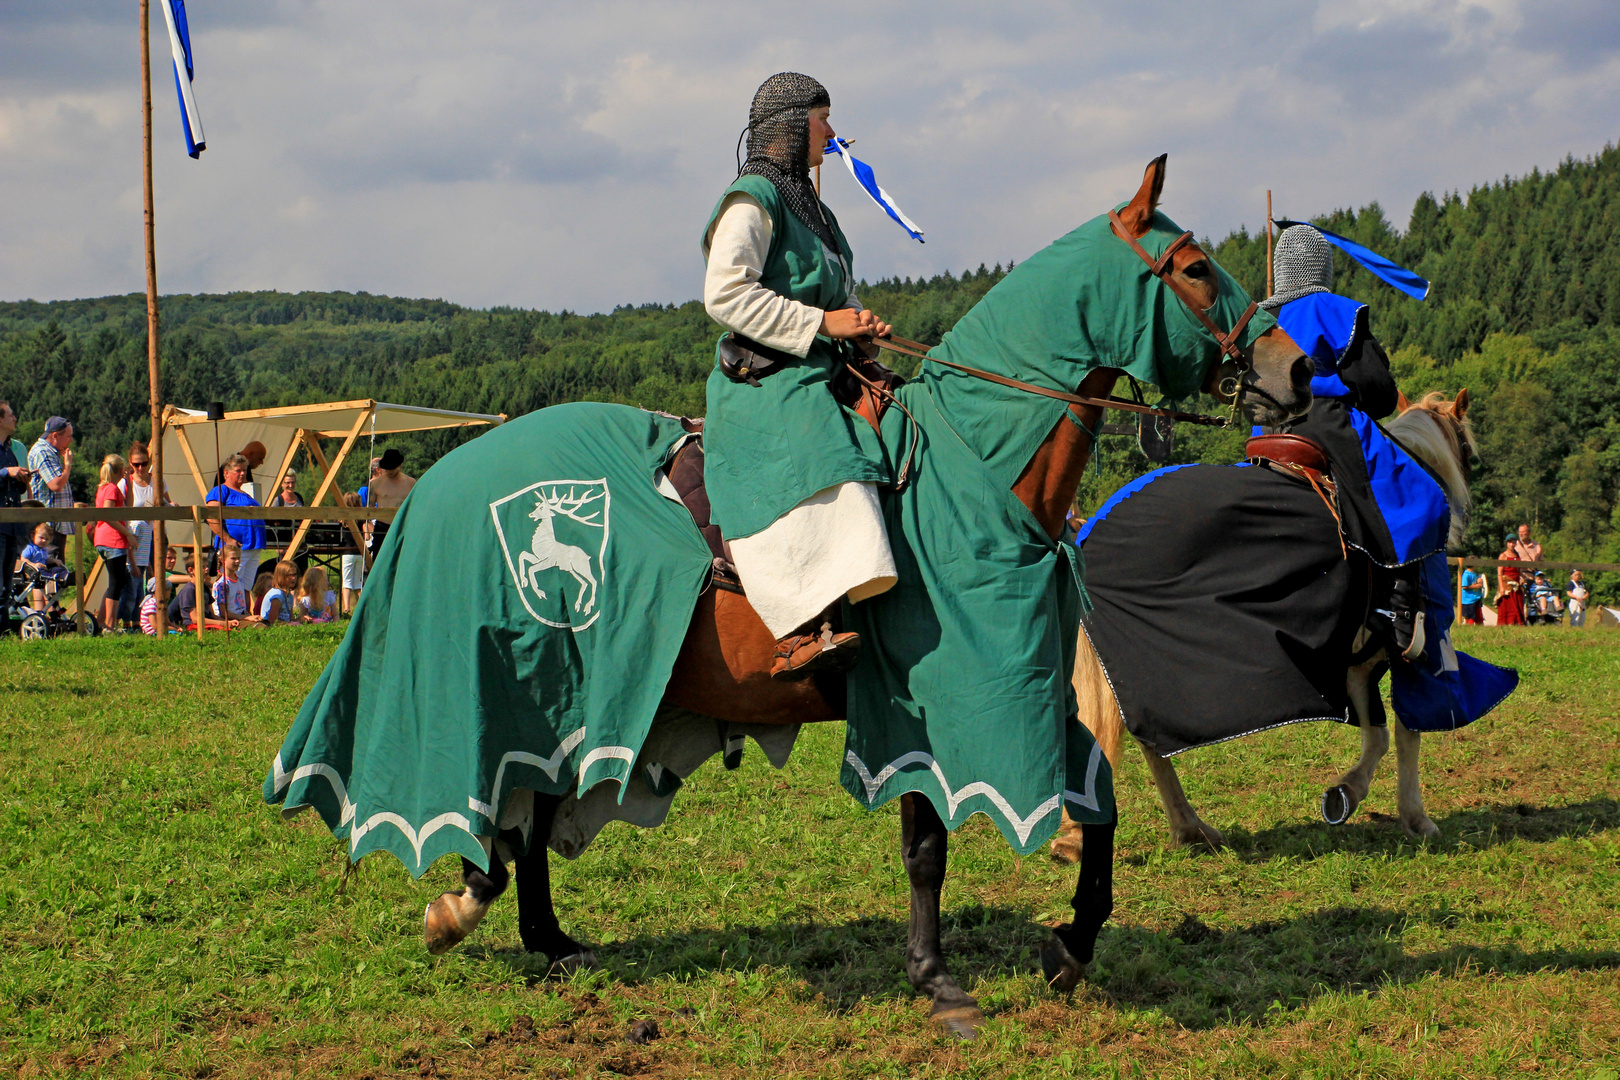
38	625
1542	606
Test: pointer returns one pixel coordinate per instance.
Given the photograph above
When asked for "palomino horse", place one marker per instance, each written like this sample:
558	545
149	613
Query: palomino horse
722	673
1435	431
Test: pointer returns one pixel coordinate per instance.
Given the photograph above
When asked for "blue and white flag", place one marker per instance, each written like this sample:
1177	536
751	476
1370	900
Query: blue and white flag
1374	263
174	13
862	172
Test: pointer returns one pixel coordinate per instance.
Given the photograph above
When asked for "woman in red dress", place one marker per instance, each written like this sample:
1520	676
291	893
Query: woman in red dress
1509	590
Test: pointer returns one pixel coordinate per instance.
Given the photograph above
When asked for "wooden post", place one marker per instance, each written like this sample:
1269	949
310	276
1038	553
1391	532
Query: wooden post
1271	289
78	576
198	535
152	374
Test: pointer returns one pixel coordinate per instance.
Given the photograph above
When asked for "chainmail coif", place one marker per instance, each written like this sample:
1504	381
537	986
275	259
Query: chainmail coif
1302	264
779	144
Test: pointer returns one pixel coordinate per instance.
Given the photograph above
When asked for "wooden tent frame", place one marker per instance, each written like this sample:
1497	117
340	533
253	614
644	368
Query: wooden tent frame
309	437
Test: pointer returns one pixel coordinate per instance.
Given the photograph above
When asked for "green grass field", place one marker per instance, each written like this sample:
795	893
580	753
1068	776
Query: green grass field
157	919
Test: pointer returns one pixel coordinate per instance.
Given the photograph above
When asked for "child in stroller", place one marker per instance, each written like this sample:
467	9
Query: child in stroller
34	587
1543	606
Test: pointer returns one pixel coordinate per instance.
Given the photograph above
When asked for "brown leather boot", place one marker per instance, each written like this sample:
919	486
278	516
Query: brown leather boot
808	650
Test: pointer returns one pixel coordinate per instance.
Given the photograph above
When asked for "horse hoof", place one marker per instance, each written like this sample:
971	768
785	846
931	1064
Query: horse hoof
961	1019
449	919
584	960
1066	847
1337	805
1199	835
1422	829
1061	969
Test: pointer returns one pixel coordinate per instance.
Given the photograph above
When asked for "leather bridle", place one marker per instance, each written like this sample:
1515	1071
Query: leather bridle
1162	270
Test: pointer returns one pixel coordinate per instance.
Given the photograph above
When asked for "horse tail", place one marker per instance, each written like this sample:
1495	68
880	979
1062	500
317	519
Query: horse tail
1099	710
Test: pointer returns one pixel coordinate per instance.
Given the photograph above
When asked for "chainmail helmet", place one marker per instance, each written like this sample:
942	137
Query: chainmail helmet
779	144
1302	264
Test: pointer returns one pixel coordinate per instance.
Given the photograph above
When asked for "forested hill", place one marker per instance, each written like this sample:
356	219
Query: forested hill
1524	311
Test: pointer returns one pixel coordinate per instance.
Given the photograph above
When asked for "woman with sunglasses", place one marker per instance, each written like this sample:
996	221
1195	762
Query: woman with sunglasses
139	489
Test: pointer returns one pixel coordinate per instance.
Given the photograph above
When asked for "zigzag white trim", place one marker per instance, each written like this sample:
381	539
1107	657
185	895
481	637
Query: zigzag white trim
416	839
601	752
953	799
549	766
1088	798
283	778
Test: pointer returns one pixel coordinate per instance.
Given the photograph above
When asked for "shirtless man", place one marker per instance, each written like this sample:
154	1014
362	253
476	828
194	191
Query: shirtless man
388	487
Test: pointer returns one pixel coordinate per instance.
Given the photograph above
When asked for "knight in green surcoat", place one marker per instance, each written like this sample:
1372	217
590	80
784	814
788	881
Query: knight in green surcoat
792	474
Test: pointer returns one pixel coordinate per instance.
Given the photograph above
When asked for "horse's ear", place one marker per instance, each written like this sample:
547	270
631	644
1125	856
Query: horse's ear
1401	404
1138	214
1459	408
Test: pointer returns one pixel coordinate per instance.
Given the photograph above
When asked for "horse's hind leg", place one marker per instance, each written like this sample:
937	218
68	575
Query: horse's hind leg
537	919
1186	827
923	842
1341	800
450	918
1409	792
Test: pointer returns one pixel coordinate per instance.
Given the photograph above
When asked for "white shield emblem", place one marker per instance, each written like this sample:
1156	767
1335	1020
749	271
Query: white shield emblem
560	568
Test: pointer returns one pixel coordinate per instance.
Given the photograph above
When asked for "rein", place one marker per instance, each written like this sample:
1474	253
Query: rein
1161	269
919	351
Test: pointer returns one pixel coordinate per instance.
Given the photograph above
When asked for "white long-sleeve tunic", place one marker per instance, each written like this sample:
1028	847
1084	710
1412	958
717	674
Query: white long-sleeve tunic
832	544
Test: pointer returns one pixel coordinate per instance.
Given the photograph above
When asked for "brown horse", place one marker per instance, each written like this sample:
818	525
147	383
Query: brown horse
722	672
1435	431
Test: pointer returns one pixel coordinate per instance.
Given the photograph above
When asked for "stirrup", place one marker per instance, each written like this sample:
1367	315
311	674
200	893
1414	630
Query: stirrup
801	655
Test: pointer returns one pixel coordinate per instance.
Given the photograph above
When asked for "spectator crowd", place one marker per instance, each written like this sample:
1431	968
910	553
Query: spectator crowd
245	582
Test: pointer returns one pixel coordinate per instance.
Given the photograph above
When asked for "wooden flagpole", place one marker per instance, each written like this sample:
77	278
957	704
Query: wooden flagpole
1270	285
155	385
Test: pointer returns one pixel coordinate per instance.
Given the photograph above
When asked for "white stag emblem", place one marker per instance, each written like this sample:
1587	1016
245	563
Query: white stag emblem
570	535
546	551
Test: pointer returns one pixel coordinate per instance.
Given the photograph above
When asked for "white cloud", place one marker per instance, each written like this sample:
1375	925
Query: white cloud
551	155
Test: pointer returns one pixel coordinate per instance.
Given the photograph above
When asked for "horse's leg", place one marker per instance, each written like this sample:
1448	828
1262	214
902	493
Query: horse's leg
1186	827
1100	715
923	841
1409	797
1341	800
1071	946
1069	840
537	920
450	918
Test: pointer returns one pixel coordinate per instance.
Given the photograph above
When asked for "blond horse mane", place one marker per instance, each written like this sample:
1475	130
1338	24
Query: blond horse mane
1431	431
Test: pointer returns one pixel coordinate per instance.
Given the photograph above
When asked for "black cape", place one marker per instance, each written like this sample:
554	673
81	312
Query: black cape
1222	604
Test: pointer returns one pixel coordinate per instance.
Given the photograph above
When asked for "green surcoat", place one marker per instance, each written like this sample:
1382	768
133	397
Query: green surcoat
769	447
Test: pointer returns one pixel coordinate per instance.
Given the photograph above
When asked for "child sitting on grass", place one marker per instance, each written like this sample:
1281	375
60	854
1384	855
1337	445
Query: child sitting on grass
52	571
230	595
277	607
316	600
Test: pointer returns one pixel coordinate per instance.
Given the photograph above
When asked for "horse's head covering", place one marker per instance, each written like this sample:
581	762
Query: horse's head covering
779	144
1302	264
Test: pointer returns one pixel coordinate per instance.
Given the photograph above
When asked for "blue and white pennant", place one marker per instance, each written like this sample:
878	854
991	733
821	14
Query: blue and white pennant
174	13
862	172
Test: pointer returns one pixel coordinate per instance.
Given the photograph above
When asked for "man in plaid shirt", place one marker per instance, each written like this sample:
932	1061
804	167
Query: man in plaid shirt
51	460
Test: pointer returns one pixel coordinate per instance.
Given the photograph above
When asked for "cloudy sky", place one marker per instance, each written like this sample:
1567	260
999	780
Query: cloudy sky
567	155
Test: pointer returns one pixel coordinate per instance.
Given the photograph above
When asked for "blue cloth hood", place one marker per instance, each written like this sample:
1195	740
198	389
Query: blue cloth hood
1323	324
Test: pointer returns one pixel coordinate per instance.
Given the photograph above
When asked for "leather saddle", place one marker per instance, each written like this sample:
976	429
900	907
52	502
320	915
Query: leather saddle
1304	459
685	472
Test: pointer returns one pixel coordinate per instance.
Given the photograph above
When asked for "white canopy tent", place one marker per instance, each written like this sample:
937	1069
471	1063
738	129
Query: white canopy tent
190	459
188	437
